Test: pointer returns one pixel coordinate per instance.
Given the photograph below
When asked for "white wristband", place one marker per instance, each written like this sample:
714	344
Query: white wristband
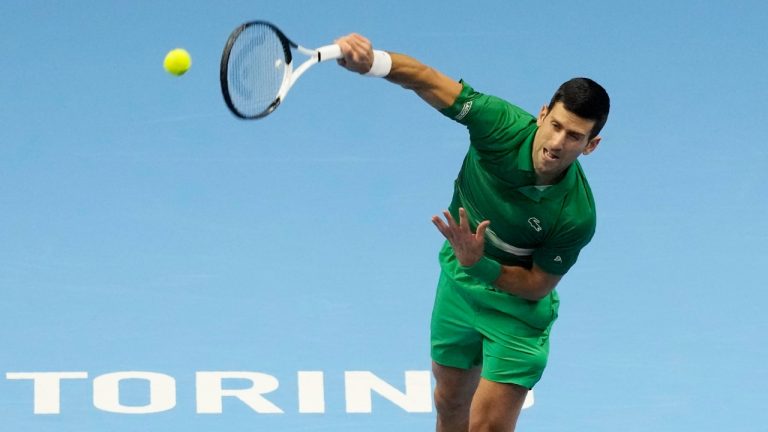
382	64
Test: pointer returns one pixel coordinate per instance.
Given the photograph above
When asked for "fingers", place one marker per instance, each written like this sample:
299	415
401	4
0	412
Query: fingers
441	226
463	224
480	233
450	228
447	230
357	51
449	218
353	38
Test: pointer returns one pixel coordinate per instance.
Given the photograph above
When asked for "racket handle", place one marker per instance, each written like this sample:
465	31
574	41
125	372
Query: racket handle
329	52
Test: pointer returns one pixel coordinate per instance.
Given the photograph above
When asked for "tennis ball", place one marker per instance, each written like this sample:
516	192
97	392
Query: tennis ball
177	61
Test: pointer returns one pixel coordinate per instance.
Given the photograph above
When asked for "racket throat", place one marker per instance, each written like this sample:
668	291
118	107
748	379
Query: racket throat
289	77
324	53
274	105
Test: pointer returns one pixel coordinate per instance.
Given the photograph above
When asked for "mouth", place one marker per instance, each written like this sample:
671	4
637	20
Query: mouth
549	155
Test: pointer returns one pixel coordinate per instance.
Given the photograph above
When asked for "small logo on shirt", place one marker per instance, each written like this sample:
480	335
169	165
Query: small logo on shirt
464	110
558	259
535	224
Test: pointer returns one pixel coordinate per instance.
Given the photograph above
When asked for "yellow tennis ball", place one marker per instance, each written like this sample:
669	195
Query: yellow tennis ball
177	61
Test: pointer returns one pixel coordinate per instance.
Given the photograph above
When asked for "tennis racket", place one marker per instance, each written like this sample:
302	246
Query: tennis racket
257	68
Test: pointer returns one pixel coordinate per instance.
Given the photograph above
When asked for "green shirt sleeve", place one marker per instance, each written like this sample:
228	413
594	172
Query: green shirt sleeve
493	123
575	230
559	256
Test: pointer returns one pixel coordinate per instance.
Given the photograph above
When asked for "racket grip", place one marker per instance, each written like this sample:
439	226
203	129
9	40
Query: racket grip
329	52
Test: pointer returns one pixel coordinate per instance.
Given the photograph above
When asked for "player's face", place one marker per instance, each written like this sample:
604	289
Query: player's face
562	137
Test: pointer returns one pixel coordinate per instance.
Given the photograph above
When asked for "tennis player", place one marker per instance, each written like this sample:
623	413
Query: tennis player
521	212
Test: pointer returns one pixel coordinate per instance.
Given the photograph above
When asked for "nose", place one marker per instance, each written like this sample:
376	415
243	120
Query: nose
558	140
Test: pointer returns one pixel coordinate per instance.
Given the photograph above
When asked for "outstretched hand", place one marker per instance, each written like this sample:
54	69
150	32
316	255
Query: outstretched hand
467	246
358	53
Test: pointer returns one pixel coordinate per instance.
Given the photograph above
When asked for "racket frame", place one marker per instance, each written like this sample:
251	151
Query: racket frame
290	75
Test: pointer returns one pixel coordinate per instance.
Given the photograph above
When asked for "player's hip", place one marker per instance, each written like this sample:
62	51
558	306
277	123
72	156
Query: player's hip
484	298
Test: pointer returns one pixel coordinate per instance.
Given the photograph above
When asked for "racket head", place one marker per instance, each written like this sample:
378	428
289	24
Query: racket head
255	62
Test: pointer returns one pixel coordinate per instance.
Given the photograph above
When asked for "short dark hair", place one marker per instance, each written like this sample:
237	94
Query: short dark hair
585	98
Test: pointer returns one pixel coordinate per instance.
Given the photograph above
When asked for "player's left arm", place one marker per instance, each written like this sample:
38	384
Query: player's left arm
530	284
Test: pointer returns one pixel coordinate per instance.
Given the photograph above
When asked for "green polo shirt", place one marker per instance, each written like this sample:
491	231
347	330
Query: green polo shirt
529	224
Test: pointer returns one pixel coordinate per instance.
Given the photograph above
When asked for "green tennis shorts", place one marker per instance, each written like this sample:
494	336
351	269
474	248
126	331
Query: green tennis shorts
474	324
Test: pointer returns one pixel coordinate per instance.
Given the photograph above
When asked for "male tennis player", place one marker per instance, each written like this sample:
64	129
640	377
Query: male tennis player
521	212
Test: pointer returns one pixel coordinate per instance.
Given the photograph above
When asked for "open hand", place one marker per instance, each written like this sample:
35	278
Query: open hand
467	246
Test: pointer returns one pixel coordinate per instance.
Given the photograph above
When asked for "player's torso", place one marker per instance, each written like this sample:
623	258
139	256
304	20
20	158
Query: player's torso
497	183
522	217
517	226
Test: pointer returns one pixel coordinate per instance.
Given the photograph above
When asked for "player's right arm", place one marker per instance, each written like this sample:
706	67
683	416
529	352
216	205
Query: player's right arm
437	89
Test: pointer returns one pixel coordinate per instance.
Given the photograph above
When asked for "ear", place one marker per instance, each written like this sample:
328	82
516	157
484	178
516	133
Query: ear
591	145
543	113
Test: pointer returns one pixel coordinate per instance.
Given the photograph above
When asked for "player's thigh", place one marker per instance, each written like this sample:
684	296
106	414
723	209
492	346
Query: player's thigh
454	387
496	406
513	352
454	339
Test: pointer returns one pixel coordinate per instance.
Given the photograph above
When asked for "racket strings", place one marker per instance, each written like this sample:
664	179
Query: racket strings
256	70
